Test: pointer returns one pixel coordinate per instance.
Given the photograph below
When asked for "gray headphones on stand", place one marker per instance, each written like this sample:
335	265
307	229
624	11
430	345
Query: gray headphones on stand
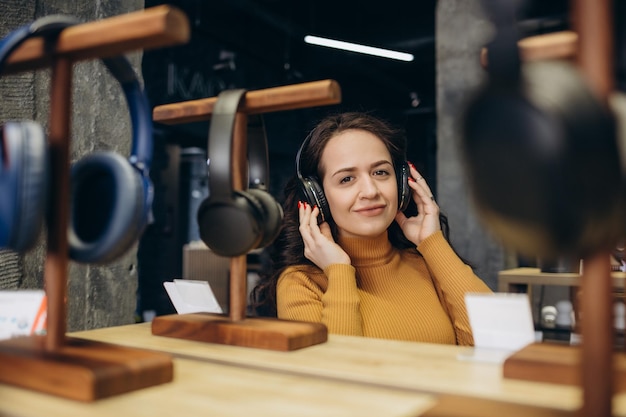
233	222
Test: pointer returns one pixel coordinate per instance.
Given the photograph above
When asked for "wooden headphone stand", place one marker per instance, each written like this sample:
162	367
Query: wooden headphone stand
594	366
73	368
236	328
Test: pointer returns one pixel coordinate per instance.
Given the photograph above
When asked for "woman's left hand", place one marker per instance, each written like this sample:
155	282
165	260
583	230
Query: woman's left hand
417	228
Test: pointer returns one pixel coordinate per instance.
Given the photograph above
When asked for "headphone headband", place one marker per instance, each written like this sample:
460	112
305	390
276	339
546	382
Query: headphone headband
304	144
258	155
139	109
220	146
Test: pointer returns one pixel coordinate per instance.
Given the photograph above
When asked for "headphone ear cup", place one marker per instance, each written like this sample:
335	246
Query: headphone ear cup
23	184
314	195
404	191
543	161
273	214
108	199
231	227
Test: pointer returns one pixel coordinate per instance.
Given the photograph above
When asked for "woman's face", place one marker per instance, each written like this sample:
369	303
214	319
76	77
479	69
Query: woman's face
359	183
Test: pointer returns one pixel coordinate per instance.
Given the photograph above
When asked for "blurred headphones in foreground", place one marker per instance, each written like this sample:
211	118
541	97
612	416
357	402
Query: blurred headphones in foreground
111	197
233	222
542	152
313	191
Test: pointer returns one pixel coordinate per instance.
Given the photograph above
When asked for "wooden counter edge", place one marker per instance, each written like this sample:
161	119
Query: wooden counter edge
462	406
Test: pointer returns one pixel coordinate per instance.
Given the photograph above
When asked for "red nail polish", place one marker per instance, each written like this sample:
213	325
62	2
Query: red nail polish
299	204
411	179
411	164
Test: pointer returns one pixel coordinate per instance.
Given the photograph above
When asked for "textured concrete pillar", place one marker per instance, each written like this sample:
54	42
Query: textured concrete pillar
16	93
98	296
462	29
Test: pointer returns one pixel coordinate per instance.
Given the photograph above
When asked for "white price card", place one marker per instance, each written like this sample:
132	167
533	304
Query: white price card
501	323
22	313
191	296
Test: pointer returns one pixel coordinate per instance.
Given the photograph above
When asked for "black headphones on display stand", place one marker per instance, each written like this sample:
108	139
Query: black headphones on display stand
541	151
313	191
233	222
111	196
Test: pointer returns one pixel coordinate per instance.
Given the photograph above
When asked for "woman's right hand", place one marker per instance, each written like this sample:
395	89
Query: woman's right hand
319	246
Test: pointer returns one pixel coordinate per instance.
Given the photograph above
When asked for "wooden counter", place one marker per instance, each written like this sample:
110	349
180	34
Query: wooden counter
214	389
415	367
344	376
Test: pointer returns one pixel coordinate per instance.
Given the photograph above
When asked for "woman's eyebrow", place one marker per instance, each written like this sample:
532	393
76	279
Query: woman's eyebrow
347	170
381	162
343	171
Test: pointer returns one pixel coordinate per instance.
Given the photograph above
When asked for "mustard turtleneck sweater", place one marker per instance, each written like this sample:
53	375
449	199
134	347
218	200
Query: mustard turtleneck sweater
386	293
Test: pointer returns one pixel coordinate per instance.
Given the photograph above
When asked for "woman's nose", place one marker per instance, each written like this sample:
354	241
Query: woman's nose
369	188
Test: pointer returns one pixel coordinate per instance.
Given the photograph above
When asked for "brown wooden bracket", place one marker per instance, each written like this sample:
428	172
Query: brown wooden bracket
155	27
556	45
289	97
53	363
237	329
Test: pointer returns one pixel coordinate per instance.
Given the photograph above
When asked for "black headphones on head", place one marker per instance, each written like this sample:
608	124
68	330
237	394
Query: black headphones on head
111	197
233	222
313	191
541	151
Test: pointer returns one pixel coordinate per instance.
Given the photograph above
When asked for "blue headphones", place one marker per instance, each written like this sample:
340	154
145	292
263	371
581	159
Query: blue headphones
111	196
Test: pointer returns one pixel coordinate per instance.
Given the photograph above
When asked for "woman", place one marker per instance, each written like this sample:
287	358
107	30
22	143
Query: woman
368	268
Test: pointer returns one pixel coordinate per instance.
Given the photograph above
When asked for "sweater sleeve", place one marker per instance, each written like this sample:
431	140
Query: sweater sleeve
452	279
332	300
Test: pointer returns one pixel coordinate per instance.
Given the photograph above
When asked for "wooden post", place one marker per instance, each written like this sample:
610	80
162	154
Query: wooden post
238	264
55	269
597	374
594	25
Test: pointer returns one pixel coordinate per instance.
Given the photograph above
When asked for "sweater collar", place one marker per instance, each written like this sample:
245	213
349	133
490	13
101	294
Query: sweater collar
367	251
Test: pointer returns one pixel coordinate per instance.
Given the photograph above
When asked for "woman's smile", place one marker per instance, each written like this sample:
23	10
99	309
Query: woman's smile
371	211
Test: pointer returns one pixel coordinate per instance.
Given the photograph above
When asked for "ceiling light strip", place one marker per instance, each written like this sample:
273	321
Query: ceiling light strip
355	47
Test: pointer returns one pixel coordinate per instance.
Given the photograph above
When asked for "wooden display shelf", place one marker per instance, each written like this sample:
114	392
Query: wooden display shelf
520	279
